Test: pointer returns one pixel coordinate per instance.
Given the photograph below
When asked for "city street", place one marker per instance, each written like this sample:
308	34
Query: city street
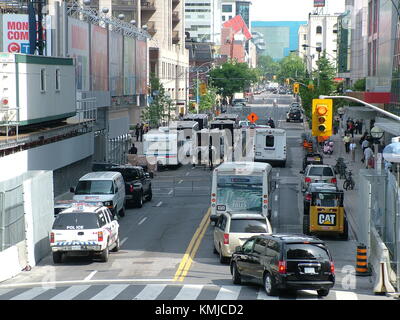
167	247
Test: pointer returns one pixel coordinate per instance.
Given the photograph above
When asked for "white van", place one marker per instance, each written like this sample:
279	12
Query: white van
270	146
107	187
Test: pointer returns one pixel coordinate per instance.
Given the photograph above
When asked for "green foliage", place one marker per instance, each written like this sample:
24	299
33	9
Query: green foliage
292	67
232	77
208	101
161	106
359	85
268	67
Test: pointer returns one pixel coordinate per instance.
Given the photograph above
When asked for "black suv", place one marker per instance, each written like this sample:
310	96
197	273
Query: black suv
294	114
284	261
137	184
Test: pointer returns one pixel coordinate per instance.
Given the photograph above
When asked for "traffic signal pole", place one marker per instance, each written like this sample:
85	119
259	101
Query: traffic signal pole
386	113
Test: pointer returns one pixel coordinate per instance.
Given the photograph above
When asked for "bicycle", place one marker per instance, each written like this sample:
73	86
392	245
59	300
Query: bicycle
349	183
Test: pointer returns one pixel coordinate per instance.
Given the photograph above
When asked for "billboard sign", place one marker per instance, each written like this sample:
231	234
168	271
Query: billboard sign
129	66
78	48
99	58
319	3
116	64
16	33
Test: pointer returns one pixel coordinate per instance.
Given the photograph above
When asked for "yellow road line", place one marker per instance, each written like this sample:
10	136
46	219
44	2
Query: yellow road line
191	250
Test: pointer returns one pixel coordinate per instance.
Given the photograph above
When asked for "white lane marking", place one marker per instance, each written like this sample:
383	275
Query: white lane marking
90	276
159	204
228	293
276	197
277	174
312	295
275	214
263	296
346	295
150	292
180	181
277	186
189	292
70	293
123	241
170	192
30	294
187	173
141	221
110	292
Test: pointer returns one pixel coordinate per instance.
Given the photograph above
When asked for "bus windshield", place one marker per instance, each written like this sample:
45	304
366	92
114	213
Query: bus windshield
239	193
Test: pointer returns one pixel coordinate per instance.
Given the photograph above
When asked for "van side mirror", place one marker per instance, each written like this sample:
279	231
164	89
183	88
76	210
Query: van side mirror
214	219
301	172
72	189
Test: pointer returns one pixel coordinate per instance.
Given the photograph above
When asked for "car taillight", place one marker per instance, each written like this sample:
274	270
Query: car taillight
307	180
52	237
226	238
332	267
308	197
333	180
100	236
282	267
131	188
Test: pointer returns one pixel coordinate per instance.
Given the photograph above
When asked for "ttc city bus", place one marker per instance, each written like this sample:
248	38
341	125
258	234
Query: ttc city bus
241	186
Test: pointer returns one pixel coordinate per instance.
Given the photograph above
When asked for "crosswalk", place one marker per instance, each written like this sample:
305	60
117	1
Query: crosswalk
121	291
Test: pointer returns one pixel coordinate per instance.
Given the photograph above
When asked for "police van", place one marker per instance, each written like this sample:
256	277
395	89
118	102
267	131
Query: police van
84	229
270	146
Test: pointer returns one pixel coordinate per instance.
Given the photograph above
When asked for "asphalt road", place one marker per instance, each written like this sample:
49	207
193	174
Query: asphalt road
167	245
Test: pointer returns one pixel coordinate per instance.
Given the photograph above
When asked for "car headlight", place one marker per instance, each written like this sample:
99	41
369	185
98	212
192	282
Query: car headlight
108	203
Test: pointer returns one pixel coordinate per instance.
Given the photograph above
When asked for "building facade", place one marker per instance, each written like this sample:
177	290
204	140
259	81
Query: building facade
280	37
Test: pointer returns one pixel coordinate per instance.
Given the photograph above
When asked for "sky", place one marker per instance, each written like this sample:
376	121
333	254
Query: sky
290	10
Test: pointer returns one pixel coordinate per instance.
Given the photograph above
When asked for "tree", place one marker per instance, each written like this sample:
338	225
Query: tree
268	67
160	106
292	67
208	100
232	77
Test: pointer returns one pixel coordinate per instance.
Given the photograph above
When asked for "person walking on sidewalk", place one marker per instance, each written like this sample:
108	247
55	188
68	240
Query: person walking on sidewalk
137	131
353	147
346	141
369	157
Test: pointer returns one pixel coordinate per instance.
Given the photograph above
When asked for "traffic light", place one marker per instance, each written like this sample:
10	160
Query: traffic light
322	110
203	89
287	81
296	88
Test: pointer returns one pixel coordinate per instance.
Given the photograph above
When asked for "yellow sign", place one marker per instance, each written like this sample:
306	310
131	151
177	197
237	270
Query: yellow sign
322	117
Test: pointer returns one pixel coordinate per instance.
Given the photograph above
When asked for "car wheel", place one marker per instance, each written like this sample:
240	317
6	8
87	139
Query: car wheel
121	212
236	277
323	292
345	234
222	259
57	257
150	195
104	254
269	285
306	224
139	200
116	248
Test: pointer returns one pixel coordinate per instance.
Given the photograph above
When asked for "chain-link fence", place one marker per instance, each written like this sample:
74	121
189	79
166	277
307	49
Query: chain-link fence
12	222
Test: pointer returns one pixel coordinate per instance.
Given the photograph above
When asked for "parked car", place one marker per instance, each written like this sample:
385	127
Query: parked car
84	229
317	173
105	186
282	261
137	184
102	166
232	229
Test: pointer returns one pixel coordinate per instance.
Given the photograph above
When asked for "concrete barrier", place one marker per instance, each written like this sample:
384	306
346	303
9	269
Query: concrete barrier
380	261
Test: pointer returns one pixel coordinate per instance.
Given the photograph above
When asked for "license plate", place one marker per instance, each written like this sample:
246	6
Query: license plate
309	270
75	248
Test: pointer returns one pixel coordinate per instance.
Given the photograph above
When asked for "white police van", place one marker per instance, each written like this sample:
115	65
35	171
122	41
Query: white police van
84	229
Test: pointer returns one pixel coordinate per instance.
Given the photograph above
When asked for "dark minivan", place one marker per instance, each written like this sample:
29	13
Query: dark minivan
282	261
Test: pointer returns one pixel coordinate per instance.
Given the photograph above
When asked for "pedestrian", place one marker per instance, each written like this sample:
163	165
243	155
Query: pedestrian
210	156
356	124
133	149
360	125
141	131
369	157
346	141
353	147
137	131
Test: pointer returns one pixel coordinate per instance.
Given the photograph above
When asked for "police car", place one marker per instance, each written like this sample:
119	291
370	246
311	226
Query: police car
84	229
